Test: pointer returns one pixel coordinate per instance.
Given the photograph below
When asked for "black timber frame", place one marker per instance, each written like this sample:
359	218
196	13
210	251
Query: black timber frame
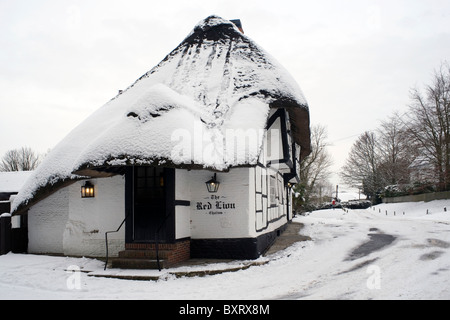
281	114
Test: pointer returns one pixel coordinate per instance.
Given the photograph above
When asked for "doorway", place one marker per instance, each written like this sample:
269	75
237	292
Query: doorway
150	193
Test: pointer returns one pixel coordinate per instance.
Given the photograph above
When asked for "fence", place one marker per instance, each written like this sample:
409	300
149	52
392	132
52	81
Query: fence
419	197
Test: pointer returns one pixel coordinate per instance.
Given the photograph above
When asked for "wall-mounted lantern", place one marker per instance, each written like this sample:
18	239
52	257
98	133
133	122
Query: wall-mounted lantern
87	190
213	184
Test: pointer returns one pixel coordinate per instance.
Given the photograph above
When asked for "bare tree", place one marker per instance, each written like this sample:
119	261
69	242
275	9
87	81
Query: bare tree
416	141
428	123
24	159
361	169
395	150
315	168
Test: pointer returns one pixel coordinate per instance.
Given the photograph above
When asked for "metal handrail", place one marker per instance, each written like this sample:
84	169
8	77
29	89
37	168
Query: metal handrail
157	240
106	238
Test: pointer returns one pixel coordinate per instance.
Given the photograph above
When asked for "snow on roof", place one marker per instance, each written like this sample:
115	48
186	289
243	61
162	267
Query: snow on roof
13	181
215	86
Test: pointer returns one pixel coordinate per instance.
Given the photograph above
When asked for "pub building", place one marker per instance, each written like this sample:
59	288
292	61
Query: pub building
195	159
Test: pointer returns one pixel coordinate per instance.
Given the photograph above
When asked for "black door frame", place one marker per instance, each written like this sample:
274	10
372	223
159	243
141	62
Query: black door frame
169	222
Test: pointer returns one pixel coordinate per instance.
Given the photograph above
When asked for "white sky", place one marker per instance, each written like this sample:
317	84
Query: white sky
355	60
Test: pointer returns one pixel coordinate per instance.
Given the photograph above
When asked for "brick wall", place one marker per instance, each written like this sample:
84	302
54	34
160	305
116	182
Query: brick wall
181	253
172	253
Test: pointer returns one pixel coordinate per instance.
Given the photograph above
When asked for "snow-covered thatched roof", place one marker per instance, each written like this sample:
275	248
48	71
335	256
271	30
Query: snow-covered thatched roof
180	113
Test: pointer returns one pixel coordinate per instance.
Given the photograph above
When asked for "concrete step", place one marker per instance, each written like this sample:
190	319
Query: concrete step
129	263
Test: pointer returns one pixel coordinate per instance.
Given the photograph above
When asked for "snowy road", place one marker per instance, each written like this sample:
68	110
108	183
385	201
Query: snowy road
360	254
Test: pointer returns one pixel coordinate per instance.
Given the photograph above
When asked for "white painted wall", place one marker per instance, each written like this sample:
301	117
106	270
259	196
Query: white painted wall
90	218
228	215
238	189
65	223
182	213
268	216
46	223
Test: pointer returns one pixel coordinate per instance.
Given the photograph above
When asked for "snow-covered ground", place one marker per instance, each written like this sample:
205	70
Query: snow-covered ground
359	254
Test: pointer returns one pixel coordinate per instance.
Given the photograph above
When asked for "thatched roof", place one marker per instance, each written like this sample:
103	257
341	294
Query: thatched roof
216	81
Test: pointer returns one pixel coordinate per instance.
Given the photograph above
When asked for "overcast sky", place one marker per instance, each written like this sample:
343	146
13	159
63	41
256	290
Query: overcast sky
355	60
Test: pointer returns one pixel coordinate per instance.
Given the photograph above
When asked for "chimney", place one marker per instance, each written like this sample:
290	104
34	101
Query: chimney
238	24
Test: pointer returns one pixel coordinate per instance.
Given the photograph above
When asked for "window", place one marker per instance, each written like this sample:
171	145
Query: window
278	141
149	184
273	191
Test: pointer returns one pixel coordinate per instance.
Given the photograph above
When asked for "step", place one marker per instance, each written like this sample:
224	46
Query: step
144	254
128	263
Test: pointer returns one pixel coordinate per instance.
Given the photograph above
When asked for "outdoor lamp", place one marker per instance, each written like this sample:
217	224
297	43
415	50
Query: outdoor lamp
213	184
87	190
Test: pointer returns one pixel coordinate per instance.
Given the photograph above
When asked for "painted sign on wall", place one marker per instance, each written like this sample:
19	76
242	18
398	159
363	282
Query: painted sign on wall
215	204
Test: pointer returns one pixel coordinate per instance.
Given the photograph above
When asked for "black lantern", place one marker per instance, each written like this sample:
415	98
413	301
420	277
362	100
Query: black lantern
213	184
87	191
